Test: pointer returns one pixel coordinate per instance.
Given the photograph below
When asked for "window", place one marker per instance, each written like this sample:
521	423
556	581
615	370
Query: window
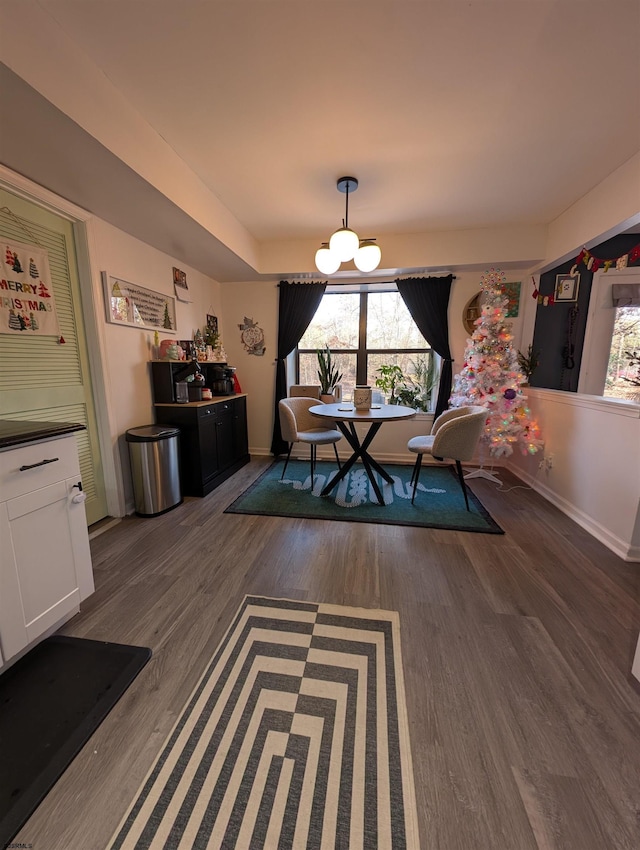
613	329
623	370
366	330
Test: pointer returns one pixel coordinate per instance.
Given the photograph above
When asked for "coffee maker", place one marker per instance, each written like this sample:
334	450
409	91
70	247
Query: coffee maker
220	379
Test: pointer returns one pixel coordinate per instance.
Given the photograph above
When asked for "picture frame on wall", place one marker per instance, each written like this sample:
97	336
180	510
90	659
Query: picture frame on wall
512	292
136	306
180	278
567	287
180	287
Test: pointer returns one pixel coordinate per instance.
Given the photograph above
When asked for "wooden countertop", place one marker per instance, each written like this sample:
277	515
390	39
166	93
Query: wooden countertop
217	399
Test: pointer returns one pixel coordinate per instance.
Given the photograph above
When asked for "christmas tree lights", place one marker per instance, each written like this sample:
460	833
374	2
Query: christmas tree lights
490	376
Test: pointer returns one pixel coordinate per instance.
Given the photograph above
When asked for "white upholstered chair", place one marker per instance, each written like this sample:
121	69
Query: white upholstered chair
455	434
297	425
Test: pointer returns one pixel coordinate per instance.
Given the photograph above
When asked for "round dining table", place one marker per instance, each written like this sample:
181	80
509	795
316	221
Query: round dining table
346	417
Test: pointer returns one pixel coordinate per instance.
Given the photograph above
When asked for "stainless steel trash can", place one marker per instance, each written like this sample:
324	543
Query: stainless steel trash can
155	467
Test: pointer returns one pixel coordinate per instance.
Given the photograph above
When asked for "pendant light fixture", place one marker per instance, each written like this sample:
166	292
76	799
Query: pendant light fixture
345	243
326	262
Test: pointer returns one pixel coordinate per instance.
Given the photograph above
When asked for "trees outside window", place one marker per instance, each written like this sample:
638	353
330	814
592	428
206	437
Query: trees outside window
623	370
364	330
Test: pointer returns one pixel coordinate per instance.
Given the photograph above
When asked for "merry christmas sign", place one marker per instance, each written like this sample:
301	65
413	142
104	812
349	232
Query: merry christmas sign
27	303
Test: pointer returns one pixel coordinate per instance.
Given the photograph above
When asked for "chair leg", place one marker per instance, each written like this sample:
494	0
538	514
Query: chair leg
462	484
286	461
335	448
313	463
416	475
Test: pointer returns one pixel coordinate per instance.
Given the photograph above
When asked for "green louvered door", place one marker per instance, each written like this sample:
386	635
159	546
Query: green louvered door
40	378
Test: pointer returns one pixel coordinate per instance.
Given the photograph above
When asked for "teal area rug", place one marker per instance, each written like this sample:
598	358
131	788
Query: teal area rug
439	501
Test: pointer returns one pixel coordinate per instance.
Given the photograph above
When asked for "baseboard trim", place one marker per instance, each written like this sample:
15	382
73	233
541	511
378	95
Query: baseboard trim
103	525
619	547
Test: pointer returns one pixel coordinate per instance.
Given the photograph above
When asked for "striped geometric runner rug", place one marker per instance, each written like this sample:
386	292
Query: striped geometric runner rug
295	738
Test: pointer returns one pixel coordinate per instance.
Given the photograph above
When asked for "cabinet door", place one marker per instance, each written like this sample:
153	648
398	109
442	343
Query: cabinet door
225	434
208	440
240	435
45	565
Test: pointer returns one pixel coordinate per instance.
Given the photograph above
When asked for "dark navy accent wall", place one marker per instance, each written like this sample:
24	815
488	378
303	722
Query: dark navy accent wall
551	332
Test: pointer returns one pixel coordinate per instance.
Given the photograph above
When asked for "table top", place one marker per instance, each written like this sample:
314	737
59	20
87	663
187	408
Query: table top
346	412
16	432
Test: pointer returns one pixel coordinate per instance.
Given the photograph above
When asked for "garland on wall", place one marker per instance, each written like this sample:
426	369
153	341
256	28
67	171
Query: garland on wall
545	300
593	264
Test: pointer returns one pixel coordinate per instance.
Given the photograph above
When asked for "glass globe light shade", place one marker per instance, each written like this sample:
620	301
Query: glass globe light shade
367	256
326	261
344	244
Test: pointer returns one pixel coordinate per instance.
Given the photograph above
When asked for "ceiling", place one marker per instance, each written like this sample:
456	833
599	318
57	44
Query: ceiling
454	116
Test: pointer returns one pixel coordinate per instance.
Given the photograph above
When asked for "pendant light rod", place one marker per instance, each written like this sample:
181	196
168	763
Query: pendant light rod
346	185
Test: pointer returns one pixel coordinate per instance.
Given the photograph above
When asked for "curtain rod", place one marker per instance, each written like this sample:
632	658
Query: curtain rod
382	281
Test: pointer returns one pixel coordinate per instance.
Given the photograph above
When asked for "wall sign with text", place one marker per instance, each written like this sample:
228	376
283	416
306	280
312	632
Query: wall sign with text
27	302
129	304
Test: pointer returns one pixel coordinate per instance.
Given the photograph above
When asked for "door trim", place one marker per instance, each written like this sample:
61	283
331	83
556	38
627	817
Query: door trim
92	313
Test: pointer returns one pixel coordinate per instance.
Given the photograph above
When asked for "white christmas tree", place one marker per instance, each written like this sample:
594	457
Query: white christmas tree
490	376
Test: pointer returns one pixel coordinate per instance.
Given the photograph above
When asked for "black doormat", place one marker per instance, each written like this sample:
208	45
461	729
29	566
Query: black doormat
51	702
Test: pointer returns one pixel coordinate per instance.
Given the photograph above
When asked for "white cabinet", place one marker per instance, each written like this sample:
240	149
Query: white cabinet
45	560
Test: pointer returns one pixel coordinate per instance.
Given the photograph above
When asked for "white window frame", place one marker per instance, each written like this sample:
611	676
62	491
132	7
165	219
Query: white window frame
599	331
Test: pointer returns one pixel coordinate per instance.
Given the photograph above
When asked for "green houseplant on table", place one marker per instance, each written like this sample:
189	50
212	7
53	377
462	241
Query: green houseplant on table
328	374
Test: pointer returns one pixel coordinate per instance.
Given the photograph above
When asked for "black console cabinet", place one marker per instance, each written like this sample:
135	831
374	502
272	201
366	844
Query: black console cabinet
213	440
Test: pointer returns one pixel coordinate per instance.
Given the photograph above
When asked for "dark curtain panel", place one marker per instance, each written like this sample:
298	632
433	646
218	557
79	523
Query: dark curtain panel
427	299
298	303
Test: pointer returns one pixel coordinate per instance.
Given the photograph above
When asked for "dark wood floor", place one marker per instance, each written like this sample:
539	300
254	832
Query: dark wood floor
525	720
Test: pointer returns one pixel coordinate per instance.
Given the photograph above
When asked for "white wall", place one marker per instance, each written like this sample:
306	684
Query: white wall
259	302
609	208
595	477
442	249
125	352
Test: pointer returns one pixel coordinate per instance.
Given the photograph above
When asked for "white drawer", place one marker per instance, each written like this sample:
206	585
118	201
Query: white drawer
47	461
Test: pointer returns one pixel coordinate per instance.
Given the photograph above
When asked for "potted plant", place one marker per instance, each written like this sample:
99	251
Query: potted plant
390	378
410	391
328	374
528	362
423	382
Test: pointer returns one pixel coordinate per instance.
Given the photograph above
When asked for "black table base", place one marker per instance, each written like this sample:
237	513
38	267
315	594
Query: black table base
359	453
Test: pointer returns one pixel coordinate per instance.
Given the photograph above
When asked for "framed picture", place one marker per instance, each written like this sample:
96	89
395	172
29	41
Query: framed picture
129	304
512	291
212	323
180	278
567	287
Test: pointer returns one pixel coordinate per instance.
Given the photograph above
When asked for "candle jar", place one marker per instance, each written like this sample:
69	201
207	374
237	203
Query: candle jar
362	398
